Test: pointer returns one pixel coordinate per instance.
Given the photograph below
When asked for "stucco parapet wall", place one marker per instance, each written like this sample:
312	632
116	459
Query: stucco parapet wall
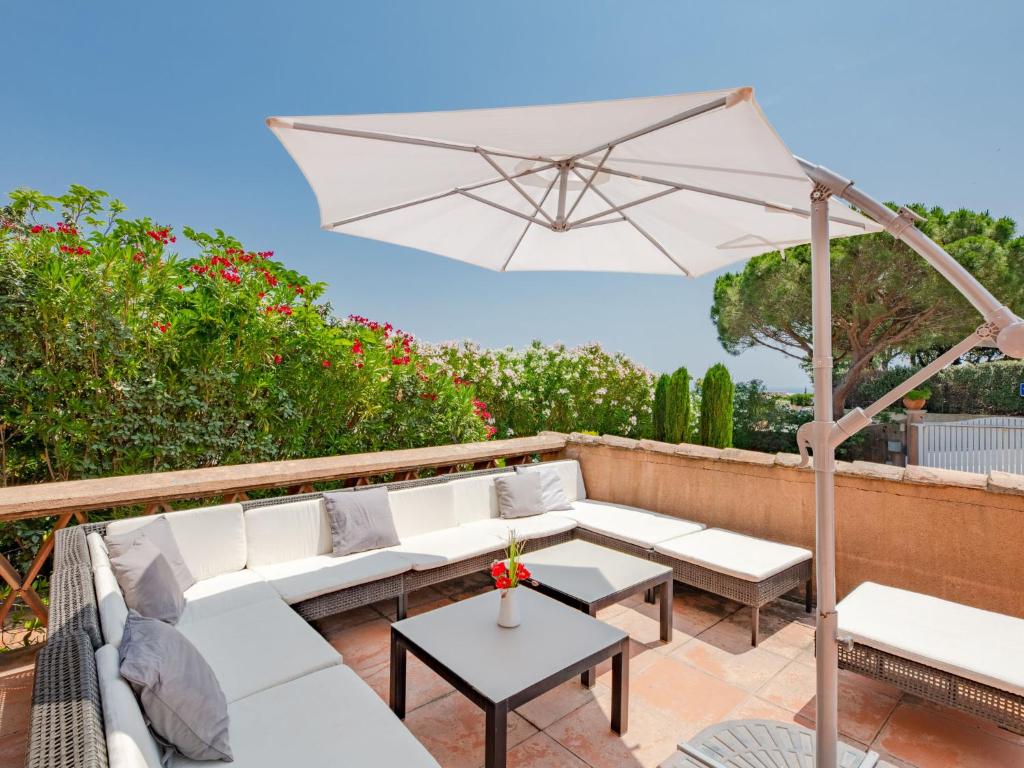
999	482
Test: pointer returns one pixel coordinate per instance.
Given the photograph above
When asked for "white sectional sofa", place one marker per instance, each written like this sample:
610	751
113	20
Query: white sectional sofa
263	569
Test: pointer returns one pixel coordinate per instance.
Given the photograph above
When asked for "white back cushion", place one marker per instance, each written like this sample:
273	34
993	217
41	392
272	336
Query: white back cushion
129	742
423	509
568	470
475	499
113	610
211	539
290	531
98	553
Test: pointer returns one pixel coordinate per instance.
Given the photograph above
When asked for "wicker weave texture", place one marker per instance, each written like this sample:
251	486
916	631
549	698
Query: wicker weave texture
1002	707
752	593
67	716
73	608
347	599
617	544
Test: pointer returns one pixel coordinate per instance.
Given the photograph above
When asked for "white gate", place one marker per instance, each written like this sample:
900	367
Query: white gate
973	445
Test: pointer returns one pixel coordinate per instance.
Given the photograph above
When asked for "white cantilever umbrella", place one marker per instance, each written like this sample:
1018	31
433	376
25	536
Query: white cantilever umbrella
682	184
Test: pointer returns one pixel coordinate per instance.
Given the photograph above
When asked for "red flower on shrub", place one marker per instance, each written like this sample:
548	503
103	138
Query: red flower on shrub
357	347
358	365
277	359
326	363
162	327
491	431
36	229
138	257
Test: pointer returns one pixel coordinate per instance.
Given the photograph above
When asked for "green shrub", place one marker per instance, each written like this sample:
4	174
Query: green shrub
802	399
555	388
660	406
765	422
677	407
991	389
716	407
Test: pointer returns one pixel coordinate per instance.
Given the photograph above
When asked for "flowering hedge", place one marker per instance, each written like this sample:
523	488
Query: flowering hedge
119	355
552	387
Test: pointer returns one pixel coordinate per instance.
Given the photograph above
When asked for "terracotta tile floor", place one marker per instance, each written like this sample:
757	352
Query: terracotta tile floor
707	673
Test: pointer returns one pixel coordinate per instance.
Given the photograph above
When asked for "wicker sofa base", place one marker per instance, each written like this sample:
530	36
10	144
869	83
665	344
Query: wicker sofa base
935	685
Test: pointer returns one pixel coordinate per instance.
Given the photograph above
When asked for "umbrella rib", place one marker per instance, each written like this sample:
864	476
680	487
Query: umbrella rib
504	208
536	207
715	193
432	198
667	122
377	136
620	208
647	235
526	229
590	181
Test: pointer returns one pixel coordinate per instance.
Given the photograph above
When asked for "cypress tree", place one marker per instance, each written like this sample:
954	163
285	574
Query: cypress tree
716	405
677	406
660	403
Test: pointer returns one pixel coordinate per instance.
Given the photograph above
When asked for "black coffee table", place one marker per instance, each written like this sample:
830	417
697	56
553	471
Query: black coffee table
589	577
499	669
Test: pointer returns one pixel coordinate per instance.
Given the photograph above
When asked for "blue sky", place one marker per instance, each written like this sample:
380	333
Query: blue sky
163	105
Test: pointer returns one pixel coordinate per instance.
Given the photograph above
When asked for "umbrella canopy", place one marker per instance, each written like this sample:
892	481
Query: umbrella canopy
683	184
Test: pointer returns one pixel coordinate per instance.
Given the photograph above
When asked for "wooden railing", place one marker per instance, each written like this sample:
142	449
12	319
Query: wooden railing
75	499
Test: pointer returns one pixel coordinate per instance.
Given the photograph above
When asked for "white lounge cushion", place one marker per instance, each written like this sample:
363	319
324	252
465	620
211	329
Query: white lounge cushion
98	553
630	524
526	528
211	539
226	592
423	509
437	548
734	554
298	580
568	470
130	744
474	498
290	531
112	607
323	720
258	646
979	645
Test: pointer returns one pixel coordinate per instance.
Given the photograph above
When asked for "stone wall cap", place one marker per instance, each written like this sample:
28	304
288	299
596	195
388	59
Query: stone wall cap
698	451
792	460
915	473
656	446
748	457
876	471
1005	482
585	439
620	442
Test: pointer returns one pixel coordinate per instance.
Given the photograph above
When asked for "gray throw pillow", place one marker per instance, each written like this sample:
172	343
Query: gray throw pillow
159	534
147	582
551	489
519	495
180	695
360	521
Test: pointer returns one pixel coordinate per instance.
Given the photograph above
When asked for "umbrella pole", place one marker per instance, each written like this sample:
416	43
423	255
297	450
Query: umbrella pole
826	644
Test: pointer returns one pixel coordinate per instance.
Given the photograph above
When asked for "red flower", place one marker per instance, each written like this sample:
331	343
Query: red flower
162	327
521	572
503	582
181	287
138	257
299	290
36	229
326	363
498	568
358	365
491	431
357	347
277	359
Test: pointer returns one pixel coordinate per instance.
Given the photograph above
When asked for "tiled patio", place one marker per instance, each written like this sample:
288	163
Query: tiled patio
707	673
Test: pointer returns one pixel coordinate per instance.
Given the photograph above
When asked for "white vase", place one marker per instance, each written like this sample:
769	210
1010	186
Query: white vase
508	609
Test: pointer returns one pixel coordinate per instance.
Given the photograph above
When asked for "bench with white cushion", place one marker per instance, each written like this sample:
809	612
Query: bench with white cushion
946	652
747	569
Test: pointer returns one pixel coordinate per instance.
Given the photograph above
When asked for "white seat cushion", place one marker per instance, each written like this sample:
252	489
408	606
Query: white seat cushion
568	470
226	592
430	550
258	646
630	524
979	645
298	580
526	528
211	539
130	744
291	531
734	554
323	720
423	509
